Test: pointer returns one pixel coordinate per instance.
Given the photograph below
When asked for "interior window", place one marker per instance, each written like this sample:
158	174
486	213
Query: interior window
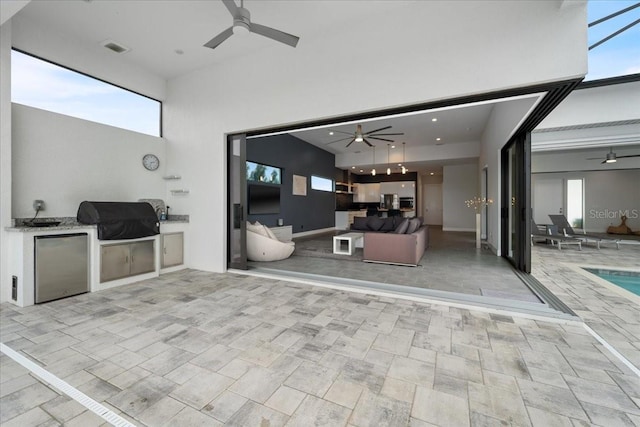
41	84
321	184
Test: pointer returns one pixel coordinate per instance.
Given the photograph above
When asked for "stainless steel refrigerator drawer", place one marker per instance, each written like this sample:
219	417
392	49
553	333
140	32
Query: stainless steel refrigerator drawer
61	266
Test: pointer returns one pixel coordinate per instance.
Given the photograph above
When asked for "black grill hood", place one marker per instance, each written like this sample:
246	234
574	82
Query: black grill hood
120	220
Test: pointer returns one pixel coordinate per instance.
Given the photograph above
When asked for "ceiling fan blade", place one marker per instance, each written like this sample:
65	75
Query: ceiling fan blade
217	40
631	155
594	158
603	162
341	139
367	142
274	34
386	134
377	130
380	139
350	143
231	6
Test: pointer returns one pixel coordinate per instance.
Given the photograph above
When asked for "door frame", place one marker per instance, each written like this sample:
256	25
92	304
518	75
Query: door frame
520	197
237	201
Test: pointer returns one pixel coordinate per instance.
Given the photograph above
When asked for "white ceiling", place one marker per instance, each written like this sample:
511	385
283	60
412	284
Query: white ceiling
154	30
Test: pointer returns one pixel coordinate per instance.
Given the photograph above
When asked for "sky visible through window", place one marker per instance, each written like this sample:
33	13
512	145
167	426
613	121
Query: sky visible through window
43	85
620	55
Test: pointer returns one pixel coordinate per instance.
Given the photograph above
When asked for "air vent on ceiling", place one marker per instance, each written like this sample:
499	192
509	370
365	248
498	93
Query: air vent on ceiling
115	47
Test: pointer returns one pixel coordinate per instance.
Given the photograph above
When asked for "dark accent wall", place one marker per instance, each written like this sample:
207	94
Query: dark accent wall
314	211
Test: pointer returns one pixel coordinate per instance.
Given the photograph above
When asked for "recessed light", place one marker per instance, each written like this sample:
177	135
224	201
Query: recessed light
431	173
330	132
393	146
399	164
353	167
438	139
361	170
434	119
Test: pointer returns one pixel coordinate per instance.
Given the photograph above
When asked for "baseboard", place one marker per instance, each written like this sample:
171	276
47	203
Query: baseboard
312	232
458	229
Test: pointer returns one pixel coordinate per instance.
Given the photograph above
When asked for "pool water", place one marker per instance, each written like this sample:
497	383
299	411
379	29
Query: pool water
629	280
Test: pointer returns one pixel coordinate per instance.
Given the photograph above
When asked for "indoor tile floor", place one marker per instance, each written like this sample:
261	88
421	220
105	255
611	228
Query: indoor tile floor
195	348
483	274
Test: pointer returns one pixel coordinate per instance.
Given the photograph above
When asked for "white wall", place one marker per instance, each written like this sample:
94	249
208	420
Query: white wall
5	155
323	78
500	127
459	183
606	194
64	160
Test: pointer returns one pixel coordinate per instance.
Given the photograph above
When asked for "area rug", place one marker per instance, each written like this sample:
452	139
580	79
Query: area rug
322	247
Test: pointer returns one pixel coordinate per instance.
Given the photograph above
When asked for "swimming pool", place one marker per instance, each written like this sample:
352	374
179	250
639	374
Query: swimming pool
629	280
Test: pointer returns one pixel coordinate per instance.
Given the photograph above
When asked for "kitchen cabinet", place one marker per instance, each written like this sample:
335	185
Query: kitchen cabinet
126	259
172	249
401	188
368	193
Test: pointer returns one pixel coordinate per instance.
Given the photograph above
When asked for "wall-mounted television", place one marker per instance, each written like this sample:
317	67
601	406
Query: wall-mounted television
264	199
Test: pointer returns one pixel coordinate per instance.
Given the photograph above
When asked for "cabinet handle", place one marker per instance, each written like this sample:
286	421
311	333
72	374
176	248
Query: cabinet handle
126	259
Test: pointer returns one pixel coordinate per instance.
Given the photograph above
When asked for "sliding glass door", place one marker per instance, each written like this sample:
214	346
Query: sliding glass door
516	202
236	202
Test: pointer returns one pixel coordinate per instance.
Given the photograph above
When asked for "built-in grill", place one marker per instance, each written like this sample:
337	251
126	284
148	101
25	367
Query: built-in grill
120	220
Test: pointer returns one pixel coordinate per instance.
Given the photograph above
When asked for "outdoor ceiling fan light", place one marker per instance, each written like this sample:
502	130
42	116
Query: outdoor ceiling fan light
240	28
611	158
359	138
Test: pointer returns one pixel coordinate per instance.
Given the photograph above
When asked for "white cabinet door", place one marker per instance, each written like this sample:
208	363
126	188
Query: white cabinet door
373	193
407	189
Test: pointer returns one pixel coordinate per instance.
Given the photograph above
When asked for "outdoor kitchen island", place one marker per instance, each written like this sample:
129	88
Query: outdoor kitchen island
21	240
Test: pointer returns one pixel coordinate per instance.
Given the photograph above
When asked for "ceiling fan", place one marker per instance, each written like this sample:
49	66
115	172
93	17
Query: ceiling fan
611	157
242	24
360	136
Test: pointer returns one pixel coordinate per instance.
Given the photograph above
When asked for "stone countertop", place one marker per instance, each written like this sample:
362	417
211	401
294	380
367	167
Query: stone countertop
70	223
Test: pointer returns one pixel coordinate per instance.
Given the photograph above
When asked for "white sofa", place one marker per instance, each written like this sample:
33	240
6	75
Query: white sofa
263	245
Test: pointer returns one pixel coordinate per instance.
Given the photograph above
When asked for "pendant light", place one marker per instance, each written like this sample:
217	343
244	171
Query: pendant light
404	169
373	171
388	159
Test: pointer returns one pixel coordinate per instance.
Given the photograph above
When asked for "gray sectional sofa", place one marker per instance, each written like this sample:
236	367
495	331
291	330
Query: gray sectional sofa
393	240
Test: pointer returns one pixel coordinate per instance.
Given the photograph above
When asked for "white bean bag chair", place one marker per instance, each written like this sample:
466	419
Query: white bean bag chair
262	244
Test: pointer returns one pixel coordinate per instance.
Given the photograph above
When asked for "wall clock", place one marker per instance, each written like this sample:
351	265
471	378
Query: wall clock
150	162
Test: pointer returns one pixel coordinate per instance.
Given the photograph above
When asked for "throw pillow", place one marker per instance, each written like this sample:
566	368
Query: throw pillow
414	224
389	224
359	223
375	223
402	228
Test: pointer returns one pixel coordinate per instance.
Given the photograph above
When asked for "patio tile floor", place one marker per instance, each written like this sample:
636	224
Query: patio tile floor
192	347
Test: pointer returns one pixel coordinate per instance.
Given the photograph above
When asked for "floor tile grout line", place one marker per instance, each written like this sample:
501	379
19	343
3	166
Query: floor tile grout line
612	350
66	388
